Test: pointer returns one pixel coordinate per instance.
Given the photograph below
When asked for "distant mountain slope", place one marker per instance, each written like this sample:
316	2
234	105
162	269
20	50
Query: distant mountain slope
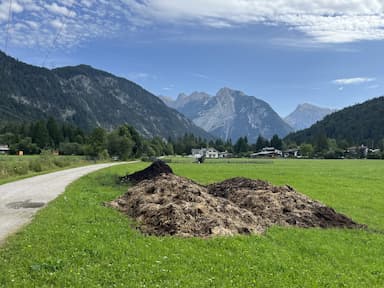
87	98
358	124
305	115
231	114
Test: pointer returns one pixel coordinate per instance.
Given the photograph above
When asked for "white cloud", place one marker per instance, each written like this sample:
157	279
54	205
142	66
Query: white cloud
324	21
35	23
352	81
4	10
60	10
59	23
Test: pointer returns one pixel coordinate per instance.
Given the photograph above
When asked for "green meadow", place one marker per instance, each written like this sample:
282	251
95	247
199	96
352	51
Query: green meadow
17	167
78	242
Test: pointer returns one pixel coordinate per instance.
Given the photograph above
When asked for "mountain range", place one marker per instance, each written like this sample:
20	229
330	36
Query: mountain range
230	114
305	115
358	124
86	97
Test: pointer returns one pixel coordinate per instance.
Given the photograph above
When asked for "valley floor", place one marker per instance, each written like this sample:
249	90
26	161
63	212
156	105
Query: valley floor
78	242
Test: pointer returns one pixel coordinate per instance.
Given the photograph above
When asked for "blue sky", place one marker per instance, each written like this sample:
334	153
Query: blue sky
286	52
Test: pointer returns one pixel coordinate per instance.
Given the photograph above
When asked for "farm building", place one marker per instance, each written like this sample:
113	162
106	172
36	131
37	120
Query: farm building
206	152
267	152
4	149
291	153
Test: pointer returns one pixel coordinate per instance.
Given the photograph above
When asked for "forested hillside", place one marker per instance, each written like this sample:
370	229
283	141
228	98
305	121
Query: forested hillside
87	98
359	124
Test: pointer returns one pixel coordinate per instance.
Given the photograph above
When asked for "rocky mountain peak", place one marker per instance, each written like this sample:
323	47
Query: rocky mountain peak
305	115
231	114
228	92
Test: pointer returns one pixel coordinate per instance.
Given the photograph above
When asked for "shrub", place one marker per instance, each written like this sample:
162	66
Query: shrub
61	162
20	168
35	165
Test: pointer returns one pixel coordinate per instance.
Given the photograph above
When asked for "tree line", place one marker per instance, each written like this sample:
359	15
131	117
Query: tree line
125	143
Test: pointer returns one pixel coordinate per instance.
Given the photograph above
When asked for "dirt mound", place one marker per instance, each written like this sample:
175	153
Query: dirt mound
173	205
279	205
157	168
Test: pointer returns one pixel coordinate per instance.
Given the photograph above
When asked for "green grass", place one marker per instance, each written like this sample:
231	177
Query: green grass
353	187
77	242
18	167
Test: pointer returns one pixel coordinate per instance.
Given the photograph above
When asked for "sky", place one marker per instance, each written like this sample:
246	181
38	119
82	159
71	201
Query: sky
285	52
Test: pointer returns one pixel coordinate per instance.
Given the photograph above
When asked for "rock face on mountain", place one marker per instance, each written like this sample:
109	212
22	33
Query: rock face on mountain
87	98
306	115
231	114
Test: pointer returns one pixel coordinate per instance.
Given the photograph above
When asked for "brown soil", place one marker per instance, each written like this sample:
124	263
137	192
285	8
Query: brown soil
279	205
173	205
155	169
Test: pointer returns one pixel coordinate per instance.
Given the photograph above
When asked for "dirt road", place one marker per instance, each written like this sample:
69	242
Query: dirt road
20	200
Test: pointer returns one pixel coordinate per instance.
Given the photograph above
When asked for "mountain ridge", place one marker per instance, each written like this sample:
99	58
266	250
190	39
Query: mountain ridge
231	114
358	124
305	115
86	97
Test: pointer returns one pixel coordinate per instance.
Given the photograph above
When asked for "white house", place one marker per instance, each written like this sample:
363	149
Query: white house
206	152
197	153
4	149
211	153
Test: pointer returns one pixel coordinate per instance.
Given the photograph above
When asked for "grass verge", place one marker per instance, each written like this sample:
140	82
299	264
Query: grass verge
77	242
14	168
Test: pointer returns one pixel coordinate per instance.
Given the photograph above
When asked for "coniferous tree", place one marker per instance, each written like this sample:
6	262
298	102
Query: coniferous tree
40	134
54	133
261	142
276	142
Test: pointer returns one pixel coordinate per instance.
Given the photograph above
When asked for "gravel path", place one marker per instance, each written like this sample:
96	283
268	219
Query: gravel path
20	200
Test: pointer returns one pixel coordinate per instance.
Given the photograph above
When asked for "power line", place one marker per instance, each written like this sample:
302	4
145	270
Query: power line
8	25
60	30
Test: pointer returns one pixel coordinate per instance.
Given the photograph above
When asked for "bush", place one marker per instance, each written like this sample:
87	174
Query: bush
103	155
71	149
35	165
20	168
61	162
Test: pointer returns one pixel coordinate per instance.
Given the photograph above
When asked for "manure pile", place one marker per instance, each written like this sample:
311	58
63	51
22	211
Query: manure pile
172	205
157	168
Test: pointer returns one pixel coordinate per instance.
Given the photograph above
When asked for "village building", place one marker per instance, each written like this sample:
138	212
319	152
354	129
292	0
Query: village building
357	151
225	154
205	152
292	153
271	152
211	153
4	149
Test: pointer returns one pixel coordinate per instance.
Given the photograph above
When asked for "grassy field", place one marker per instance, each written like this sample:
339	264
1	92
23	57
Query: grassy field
18	167
77	242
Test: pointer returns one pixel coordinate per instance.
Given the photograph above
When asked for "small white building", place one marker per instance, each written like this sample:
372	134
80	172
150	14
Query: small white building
206	152
211	153
197	153
4	149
